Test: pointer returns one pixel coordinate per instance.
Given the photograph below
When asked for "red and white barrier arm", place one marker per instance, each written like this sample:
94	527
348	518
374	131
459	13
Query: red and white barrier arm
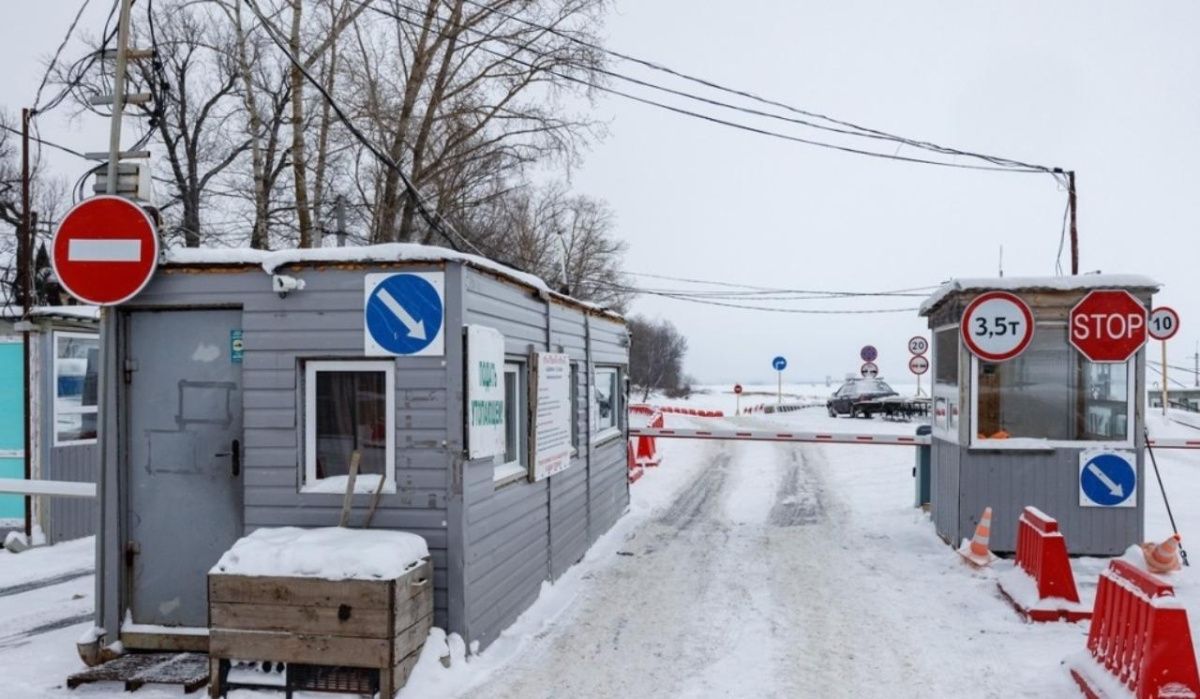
1173	443
761	435
66	489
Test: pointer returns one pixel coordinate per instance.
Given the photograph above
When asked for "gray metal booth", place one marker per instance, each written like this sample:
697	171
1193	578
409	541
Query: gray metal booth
61	421
234	387
1010	434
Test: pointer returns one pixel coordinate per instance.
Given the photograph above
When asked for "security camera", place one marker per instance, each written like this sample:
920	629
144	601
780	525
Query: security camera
282	284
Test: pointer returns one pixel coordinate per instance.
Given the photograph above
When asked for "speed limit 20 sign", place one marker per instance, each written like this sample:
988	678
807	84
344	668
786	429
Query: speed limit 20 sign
997	326
918	345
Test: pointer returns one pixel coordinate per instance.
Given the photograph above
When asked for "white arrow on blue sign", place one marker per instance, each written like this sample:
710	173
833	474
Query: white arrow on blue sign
779	363
1107	479
403	314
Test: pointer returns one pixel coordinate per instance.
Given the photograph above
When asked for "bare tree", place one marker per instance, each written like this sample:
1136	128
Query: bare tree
656	352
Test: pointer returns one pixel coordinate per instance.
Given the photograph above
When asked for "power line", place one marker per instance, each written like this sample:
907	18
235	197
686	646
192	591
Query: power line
44	142
710	282
58	52
925	145
1016	166
742	306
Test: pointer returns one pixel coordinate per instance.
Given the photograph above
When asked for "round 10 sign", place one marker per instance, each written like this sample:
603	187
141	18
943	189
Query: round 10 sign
1164	323
997	326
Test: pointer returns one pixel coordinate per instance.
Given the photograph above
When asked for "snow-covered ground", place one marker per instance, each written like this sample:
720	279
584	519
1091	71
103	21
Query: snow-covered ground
741	570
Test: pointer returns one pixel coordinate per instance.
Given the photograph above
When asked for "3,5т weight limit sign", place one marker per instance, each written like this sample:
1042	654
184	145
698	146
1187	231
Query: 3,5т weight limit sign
997	326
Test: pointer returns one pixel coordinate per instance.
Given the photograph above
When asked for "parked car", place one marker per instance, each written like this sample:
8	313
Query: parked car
857	397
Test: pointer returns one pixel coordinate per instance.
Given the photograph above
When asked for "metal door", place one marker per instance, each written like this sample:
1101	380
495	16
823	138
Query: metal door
184	433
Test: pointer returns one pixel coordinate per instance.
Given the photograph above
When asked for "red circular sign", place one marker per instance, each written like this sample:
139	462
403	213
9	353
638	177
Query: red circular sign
1108	325
737	388
869	370
918	345
104	250
918	364
997	326
1164	323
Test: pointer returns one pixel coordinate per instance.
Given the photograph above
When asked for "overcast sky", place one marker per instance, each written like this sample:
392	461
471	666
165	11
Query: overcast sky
1106	88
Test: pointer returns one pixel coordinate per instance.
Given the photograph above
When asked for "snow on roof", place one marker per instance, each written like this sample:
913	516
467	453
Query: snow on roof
1073	283
272	260
330	553
77	312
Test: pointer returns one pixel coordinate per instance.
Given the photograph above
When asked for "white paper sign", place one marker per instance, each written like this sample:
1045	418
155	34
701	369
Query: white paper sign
485	391
552	408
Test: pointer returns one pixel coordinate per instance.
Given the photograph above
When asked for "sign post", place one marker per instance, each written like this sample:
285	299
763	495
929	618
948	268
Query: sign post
1164	323
918	346
779	364
737	392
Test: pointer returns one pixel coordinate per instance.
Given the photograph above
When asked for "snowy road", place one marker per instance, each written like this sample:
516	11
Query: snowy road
766	577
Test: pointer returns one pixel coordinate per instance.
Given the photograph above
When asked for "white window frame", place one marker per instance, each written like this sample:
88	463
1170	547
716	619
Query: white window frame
504	472
949	432
1002	444
82	410
311	368
607	433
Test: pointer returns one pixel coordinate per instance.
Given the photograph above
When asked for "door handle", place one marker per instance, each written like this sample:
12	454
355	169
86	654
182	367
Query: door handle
235	457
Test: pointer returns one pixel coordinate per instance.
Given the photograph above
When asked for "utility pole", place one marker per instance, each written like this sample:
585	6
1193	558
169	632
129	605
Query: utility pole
25	283
1072	204
118	95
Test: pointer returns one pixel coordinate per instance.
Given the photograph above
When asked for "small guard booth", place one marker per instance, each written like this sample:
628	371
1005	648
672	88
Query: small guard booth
487	413
64	349
1037	400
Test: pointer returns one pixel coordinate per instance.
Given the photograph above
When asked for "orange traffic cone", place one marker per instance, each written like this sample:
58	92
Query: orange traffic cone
1164	557
975	550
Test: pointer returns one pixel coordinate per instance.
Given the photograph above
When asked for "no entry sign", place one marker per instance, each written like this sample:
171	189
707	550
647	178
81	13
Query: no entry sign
997	326
1108	325
104	250
737	388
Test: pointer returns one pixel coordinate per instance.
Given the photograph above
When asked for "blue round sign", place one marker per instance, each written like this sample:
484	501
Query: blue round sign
403	314
1107	480
779	363
869	353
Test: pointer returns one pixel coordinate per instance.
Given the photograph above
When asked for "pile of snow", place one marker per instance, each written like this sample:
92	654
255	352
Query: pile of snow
331	553
1078	282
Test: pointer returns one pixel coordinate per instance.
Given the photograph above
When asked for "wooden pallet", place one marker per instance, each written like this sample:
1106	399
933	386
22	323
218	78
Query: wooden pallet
376	624
139	669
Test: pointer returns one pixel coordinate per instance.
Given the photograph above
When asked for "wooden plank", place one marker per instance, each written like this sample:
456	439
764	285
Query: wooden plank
191	643
409	584
412	638
413	609
403	669
240	589
358	623
300	648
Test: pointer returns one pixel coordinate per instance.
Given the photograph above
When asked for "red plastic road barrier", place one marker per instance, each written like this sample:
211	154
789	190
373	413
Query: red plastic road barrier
647	446
1042	568
643	409
1139	639
635	469
1167	443
762	435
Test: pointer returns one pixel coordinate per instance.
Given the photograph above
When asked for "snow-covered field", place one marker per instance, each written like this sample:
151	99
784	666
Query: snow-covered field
741	570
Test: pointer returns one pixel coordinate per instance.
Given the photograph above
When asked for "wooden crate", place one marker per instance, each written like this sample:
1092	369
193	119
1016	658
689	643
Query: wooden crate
377	624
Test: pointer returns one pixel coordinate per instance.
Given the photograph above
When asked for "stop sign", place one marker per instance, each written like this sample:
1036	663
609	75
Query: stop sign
1108	325
104	250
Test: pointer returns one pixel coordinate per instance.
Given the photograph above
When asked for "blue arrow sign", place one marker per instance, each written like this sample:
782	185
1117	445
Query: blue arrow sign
779	363
403	314
1107	479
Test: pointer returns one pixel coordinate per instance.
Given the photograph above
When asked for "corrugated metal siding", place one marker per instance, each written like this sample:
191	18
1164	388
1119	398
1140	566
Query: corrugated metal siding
524	533
943	494
1009	481
325	321
70	518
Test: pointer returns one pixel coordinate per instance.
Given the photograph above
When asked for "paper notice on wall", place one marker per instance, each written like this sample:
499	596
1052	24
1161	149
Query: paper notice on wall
552	411
485	391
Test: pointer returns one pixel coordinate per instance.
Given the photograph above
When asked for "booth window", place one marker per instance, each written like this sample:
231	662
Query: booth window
516	425
945	356
606	403
349	407
76	366
1052	392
